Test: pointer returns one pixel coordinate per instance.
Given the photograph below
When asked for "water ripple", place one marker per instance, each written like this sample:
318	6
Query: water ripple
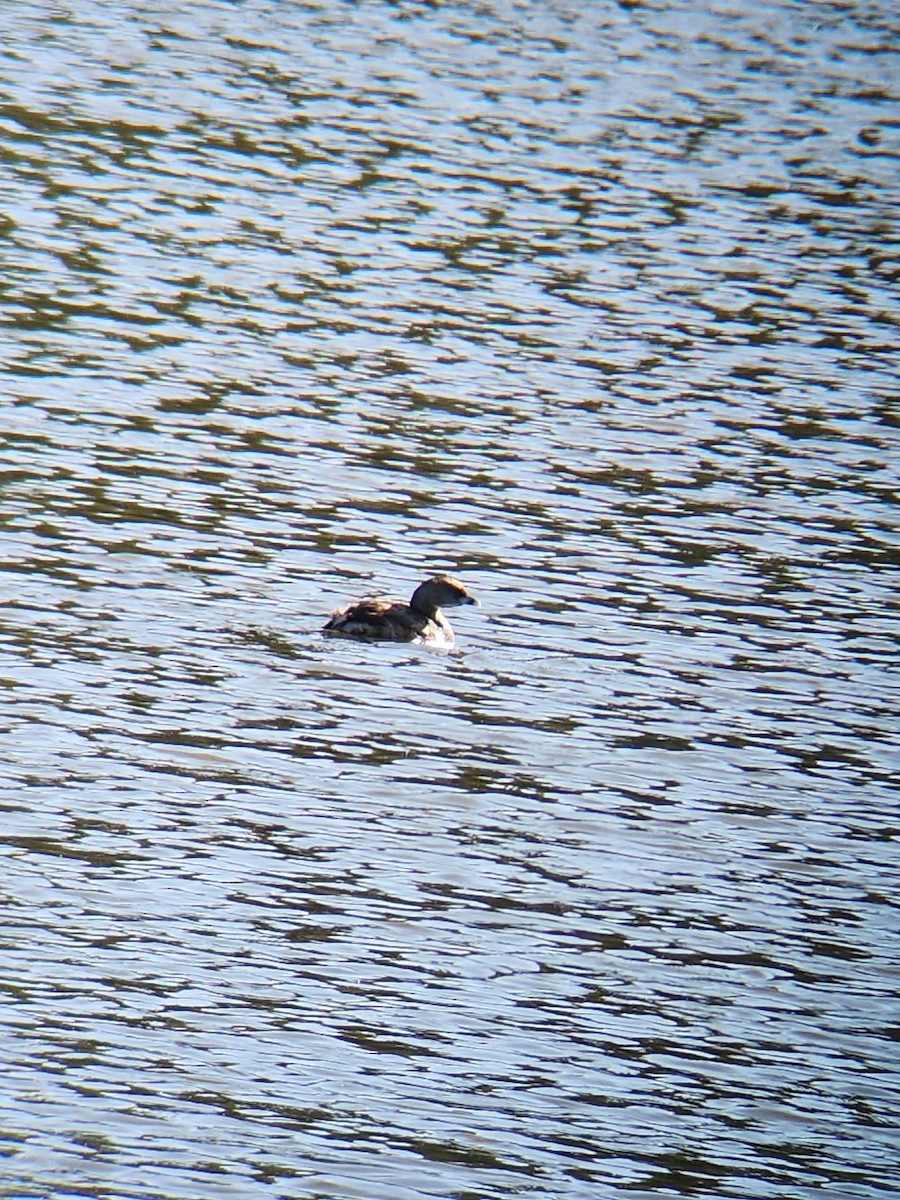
594	305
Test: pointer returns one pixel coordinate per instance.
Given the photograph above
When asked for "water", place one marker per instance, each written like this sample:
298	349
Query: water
594	305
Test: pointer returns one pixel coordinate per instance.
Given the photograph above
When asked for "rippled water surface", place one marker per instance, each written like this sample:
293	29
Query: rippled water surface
594	305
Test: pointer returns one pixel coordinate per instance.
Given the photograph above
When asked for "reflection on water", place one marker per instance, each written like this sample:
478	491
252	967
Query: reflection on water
595	306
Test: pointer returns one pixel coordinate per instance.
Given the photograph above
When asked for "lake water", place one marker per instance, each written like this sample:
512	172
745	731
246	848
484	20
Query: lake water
594	305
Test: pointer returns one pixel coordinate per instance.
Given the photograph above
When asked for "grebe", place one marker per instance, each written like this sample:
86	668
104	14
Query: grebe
384	620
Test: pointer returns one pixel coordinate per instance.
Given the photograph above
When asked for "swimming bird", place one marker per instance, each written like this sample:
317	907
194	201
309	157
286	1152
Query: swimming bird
382	619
